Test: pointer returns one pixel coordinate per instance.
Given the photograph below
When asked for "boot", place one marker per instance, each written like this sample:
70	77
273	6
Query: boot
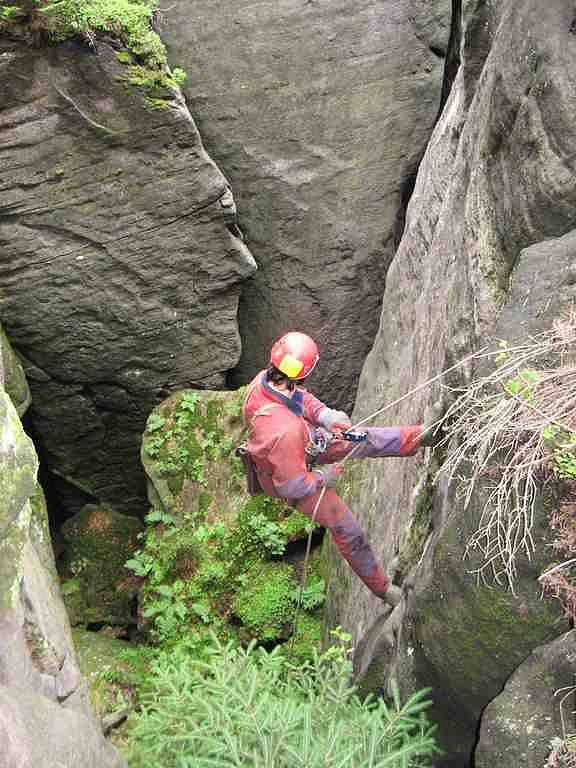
393	595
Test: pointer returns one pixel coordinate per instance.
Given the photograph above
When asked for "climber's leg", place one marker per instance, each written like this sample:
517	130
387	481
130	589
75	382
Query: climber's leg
348	536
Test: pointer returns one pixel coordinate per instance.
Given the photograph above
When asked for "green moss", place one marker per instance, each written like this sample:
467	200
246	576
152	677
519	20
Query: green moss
486	628
265	605
157	84
415	536
98	542
307	639
111	669
128	20
124	57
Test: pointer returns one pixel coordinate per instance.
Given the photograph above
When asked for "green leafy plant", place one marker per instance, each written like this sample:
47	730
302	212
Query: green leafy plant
313	595
155	422
10	12
250	707
521	385
159	516
266	604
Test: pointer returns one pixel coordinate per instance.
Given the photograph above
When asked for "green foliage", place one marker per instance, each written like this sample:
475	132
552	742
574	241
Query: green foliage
190	442
10	13
245	707
297	526
521	385
265	605
562	445
313	594
302	647
129	21
168	610
155	422
565	460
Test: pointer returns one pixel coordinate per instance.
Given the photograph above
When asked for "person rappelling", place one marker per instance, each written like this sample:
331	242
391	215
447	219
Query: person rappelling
295	446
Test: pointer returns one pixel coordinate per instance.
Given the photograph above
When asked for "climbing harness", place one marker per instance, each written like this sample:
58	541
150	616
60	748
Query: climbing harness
320	441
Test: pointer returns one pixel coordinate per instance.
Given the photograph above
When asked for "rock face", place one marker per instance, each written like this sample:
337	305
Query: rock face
518	726
14	378
44	714
497	177
318	113
119	277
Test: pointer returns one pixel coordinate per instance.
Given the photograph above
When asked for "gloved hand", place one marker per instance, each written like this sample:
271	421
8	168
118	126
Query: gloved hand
330	473
335	420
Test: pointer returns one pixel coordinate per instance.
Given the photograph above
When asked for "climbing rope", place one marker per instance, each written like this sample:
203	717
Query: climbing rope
304	576
474	355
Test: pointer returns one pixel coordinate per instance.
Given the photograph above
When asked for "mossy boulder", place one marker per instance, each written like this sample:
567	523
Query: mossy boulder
15	382
97	587
213	555
188	454
265	602
44	707
113	668
17	471
520	725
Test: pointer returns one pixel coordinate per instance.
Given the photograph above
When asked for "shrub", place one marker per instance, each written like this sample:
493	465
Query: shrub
249	707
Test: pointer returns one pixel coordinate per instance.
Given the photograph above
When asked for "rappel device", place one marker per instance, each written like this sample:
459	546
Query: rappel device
355	435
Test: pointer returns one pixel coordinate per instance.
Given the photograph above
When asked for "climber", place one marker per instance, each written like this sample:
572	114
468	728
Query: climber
291	431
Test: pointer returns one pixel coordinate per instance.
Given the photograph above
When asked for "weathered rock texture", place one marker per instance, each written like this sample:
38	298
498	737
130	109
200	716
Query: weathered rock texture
44	715
97	588
12	373
535	707
318	113
497	177
119	279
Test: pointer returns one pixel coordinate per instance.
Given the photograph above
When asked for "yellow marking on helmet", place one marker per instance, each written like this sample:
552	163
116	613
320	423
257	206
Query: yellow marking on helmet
290	366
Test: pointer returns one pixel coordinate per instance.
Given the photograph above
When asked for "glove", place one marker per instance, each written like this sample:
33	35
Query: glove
331	420
330	474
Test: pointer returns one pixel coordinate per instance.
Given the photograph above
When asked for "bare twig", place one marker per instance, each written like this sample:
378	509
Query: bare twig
88	119
495	434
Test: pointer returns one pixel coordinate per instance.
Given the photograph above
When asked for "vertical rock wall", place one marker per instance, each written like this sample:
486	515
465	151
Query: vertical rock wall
318	113
119	276
498	175
44	714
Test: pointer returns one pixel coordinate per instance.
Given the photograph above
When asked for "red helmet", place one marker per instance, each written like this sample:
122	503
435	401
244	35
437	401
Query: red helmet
295	354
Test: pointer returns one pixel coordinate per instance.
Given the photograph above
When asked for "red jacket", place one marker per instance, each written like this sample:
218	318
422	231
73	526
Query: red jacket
280	427
279	431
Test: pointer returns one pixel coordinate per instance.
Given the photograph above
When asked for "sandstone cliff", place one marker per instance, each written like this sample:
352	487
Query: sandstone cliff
44	714
497	176
119	279
319	114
